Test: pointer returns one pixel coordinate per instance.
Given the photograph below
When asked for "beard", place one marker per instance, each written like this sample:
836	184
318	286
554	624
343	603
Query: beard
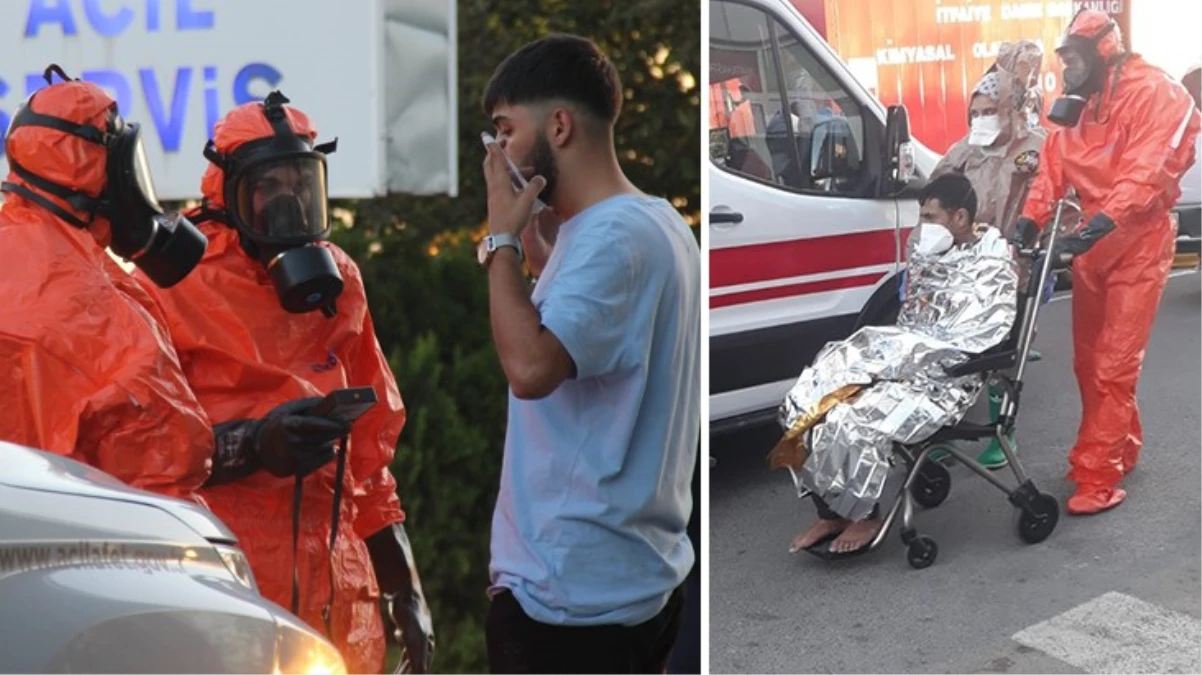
543	161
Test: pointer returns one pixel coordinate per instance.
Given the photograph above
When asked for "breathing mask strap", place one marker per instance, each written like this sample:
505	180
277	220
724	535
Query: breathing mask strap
273	110
15	188
205	214
78	200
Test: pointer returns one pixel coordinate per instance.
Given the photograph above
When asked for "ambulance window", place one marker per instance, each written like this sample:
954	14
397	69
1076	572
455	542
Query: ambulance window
762	81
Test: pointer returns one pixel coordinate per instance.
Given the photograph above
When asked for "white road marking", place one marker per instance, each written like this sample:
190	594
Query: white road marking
1117	633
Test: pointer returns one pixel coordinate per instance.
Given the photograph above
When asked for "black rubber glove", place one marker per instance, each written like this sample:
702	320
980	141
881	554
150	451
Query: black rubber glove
1082	240
234	456
1024	234
286	442
396	574
291	443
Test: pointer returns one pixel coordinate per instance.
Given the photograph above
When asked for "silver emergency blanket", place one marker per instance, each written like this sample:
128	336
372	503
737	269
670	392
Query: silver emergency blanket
957	303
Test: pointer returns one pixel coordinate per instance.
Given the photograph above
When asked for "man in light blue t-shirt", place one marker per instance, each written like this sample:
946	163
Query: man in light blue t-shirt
589	547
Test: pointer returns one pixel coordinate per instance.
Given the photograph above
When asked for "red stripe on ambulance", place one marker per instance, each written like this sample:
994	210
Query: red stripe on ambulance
758	263
791	290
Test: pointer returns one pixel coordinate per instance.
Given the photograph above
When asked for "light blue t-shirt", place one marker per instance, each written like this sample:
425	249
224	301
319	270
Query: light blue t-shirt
589	527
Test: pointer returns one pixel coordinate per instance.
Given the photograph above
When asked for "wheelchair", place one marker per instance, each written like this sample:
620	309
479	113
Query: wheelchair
927	483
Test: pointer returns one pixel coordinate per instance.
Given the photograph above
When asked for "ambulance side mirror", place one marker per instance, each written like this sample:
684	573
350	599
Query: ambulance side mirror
898	162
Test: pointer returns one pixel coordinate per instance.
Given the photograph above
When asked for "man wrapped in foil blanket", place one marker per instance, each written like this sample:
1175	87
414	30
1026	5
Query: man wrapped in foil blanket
887	384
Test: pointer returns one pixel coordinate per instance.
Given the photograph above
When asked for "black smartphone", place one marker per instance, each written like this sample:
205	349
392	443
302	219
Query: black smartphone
347	405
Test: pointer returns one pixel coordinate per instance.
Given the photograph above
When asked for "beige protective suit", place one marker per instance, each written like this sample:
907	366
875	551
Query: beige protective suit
1002	172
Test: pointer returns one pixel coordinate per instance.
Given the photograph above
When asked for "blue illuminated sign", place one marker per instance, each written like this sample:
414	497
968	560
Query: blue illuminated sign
165	91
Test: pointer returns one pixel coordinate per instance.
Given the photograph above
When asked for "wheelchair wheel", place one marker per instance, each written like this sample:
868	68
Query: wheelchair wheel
932	485
921	552
1035	527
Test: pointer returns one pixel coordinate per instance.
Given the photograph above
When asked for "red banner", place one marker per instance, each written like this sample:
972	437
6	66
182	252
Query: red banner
929	54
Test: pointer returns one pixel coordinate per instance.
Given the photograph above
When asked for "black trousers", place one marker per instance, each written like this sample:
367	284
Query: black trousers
519	644
686	654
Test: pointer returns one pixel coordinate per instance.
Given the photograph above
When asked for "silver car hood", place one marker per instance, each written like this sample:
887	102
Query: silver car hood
27	469
102	578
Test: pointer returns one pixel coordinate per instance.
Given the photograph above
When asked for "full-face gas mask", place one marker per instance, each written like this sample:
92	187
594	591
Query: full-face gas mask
1084	75
165	246
275	194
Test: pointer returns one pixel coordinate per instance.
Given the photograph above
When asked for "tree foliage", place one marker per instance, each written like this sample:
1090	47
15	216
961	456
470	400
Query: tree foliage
429	298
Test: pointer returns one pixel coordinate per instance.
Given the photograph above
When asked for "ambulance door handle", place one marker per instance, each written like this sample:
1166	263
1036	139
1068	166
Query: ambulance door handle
724	216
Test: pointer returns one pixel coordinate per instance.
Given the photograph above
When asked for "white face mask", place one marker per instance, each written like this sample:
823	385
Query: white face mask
932	239
985	130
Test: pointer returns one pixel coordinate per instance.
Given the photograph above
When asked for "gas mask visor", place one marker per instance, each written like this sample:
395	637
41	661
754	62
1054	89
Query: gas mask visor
280	205
1083	78
281	200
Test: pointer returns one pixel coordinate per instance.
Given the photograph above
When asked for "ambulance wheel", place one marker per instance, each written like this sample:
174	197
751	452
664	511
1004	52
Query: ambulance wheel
932	485
921	552
1036	525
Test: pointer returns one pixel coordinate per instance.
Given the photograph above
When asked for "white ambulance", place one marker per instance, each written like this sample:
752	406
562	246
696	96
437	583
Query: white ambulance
1189	207
811	197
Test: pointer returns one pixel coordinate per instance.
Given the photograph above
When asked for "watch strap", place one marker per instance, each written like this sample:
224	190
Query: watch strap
497	241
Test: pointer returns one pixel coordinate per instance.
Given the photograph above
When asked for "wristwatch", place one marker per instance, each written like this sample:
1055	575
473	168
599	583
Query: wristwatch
489	245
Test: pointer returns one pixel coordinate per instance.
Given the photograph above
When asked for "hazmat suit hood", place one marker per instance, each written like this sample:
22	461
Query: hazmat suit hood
243	125
1087	26
61	157
1095	38
1019	66
94	175
267	180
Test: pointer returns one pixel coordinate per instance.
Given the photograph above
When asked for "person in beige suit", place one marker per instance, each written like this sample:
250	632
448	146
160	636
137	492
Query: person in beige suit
1000	156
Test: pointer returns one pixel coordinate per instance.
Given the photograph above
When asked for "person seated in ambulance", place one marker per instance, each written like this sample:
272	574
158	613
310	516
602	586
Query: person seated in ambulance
87	369
1000	156
274	313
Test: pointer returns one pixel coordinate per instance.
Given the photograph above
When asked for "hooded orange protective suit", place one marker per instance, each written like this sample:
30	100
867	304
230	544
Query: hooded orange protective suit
243	355
86	368
1125	159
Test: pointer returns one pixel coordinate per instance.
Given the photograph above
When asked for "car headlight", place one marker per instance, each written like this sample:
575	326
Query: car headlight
302	653
236	562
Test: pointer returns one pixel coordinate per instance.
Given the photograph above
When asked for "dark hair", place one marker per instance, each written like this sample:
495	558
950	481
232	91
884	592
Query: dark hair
558	66
954	191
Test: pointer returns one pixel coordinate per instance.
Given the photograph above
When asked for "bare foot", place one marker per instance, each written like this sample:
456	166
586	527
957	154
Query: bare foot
817	532
856	536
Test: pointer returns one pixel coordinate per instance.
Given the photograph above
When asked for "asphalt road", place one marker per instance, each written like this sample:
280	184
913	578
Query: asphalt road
990	603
